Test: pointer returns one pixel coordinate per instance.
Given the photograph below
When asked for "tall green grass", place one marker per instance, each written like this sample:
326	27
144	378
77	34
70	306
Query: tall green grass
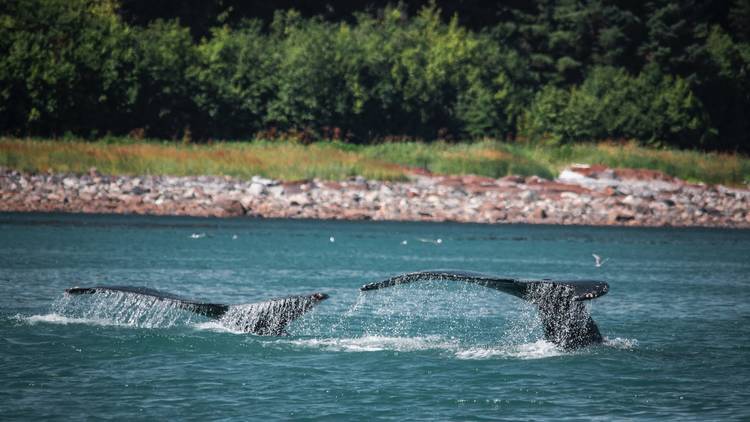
282	160
336	161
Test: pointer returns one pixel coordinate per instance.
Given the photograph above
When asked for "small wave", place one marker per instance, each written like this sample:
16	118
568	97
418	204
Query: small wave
377	343
537	350
64	320
621	343
217	327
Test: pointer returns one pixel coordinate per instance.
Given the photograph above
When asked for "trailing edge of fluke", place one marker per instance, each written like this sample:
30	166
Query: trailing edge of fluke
565	319
263	318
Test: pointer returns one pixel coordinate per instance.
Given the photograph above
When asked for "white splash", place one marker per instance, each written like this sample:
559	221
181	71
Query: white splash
621	343
121	309
377	343
373	343
218	327
55	318
537	350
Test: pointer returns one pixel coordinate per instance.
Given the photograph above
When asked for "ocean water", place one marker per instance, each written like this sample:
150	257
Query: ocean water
676	322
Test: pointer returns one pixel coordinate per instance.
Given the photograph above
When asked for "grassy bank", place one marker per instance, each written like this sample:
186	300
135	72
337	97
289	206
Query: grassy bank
335	161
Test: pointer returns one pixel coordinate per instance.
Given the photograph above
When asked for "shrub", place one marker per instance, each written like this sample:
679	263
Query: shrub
232	76
66	65
610	104
164	106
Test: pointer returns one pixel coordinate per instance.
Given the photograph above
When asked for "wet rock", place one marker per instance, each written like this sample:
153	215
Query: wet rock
229	207
539	214
620	216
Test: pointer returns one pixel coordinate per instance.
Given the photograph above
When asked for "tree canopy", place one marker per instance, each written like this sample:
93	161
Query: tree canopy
662	72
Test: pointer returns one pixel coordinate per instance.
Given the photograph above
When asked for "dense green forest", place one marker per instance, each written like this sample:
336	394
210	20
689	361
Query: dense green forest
662	72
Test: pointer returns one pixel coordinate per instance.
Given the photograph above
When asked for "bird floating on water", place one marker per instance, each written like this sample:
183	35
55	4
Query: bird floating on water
598	262
435	241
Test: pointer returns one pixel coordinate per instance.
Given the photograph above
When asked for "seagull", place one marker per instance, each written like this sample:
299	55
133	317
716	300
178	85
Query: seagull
598	260
435	241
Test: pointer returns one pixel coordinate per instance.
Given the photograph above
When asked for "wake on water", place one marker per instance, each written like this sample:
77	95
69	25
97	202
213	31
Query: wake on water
373	343
407	319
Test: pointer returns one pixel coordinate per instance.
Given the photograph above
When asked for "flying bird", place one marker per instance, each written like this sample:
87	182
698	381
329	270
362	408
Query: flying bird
598	262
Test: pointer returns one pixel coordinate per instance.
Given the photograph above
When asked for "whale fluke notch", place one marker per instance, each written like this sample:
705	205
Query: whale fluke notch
264	318
565	319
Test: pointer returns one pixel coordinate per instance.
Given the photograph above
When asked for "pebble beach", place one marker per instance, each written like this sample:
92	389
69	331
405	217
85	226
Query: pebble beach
580	195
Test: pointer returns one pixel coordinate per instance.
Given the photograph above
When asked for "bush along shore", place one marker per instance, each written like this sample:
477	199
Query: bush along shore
591	195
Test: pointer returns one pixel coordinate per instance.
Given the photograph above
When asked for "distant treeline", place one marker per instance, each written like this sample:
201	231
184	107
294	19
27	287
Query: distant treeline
662	72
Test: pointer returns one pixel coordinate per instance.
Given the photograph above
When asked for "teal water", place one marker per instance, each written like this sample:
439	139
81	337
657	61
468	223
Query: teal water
676	319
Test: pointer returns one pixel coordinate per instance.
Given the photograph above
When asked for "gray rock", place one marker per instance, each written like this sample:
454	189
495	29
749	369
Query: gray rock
276	191
257	189
528	196
301	199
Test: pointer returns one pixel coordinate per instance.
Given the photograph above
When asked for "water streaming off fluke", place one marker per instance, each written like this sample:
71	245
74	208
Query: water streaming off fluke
144	307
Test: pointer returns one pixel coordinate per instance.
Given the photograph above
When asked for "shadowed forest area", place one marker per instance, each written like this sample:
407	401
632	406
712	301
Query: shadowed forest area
664	73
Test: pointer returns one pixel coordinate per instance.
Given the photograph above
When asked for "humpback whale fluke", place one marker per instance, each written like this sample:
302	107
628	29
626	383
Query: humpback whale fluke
565	319
263	318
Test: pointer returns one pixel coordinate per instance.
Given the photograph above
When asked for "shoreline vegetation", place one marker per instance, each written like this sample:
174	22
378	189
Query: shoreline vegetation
337	161
481	182
431	110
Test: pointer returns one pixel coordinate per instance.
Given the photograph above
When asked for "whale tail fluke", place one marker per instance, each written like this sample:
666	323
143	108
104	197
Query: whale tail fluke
264	318
565	319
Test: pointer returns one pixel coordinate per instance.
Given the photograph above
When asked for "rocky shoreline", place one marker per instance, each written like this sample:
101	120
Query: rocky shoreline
586	195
